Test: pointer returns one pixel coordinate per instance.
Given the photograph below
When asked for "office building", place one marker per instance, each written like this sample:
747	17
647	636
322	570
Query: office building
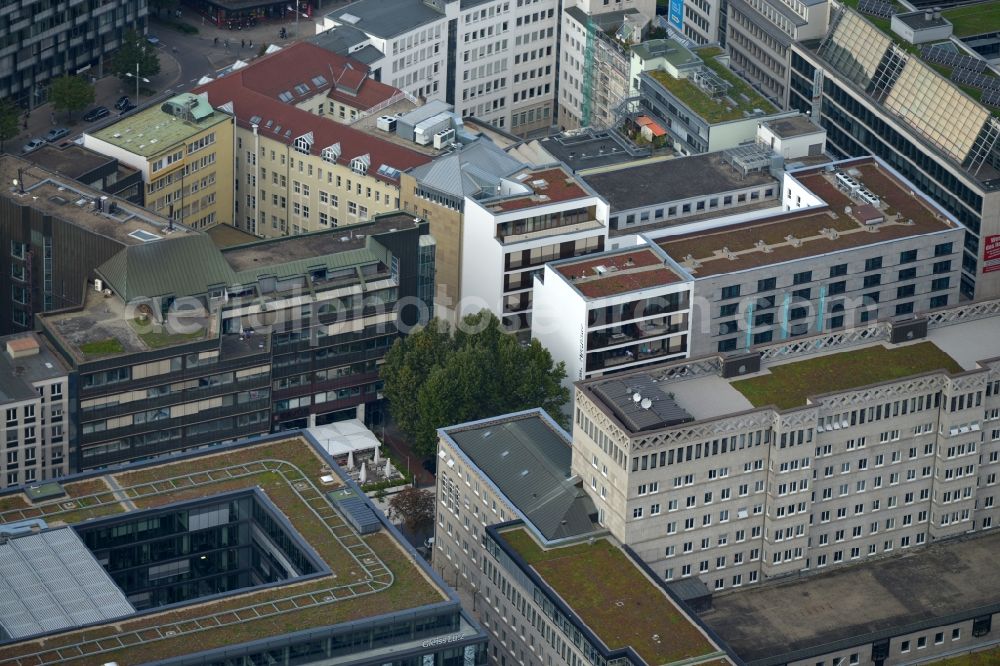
758	469
54	236
283	561
45	40
300	166
180	345
759	36
695	98
34	398
896	101
91	168
492	60
855	245
184	150
498	221
517	531
612	311
594	60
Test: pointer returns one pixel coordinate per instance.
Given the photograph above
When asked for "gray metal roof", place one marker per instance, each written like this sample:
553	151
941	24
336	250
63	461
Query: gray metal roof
342	39
640	403
386	19
529	461
17	375
359	514
51	581
468	171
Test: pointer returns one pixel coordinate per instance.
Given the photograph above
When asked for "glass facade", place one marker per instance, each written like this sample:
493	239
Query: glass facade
161	557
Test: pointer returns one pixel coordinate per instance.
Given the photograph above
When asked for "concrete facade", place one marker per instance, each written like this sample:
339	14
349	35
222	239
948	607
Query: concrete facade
751	494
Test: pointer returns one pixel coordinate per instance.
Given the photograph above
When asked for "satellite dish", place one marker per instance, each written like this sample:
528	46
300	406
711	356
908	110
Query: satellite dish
646	403
636	397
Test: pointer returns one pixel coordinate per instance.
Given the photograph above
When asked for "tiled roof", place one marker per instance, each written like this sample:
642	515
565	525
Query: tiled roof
254	93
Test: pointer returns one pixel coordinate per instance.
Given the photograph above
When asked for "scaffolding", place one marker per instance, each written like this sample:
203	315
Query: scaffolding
588	72
747	159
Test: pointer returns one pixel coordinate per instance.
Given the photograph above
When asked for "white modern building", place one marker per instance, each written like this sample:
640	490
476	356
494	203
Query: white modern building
612	311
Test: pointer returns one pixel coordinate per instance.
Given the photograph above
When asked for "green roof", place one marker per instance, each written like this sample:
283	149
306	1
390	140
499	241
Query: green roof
740	99
788	385
670	50
152	131
367	577
975	19
611	595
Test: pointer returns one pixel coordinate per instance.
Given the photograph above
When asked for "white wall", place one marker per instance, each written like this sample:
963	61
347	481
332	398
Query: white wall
795	195
559	322
125	157
482	262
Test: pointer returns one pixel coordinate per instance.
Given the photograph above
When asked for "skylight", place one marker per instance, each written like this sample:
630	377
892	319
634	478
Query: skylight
144	236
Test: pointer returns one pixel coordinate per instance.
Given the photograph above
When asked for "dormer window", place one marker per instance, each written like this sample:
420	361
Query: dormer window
360	164
331	153
303	144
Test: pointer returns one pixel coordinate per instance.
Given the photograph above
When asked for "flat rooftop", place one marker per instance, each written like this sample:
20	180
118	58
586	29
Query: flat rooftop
548	185
18	374
739	102
858	603
789	385
589	149
918	20
384	19
616	600
528	458
617	272
151	131
813	231
260	254
70	159
363	578
669	180
71	201
793	126
101	329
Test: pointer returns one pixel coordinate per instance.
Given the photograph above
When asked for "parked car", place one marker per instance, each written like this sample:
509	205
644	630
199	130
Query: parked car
153	39
128	107
96	114
122	103
56	133
34	144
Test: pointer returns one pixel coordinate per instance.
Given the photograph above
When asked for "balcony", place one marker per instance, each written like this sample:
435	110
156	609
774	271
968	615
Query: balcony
609	359
621	335
550	231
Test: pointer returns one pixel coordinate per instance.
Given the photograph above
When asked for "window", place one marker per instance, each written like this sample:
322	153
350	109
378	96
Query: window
907	274
940	283
802	278
906	291
732	291
872	281
907	257
873	264
904	308
942	249
838	270
767	285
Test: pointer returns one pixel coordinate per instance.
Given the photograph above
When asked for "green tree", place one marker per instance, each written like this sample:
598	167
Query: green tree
70	93
135	49
9	116
438	377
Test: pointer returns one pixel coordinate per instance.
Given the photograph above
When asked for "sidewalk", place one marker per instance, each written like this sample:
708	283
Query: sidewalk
107	90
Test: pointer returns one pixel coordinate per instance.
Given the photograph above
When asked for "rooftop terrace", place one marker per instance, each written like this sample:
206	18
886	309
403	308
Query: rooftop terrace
858	603
367	576
740	100
812	231
617	273
612	596
548	186
789	384
66	199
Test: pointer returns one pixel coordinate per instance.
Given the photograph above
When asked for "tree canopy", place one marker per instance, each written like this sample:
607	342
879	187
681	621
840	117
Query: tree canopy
135	49
438	377
9	116
70	93
413	507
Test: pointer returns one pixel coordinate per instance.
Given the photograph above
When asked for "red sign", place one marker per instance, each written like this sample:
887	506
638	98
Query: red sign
991	254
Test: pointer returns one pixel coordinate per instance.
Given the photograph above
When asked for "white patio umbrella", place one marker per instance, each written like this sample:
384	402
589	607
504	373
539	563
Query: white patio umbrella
350	460
364	473
388	469
377	458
